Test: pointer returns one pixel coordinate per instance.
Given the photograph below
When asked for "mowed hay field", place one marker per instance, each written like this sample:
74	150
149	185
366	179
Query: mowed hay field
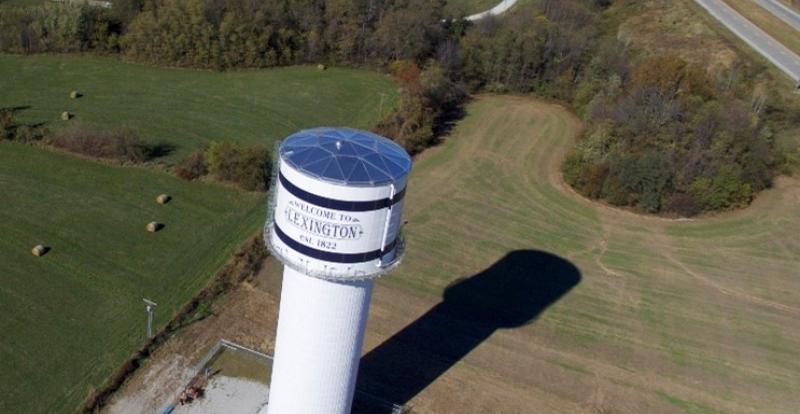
186	108
71	317
662	316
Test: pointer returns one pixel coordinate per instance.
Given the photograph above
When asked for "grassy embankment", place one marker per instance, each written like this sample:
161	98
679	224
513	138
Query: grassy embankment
792	3
768	22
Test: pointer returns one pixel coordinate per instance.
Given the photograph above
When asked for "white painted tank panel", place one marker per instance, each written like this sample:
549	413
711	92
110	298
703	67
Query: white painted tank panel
328	234
318	347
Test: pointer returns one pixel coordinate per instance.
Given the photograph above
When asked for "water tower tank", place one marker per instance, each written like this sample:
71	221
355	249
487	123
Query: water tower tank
334	223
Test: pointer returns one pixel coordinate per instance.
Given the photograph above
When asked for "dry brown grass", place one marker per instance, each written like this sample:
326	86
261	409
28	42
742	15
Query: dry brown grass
765	20
660	26
795	4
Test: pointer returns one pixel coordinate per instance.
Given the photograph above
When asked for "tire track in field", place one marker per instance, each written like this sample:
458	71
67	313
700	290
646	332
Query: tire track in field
728	291
614	220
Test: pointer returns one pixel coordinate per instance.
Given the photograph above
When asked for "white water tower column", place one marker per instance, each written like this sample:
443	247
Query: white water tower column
334	223
315	364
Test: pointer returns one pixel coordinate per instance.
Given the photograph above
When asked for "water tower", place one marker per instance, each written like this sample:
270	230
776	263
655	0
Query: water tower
334	223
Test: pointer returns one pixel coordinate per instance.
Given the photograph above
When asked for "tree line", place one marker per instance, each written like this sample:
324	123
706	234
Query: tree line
661	134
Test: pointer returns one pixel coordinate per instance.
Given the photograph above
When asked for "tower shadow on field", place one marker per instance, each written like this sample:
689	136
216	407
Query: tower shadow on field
511	293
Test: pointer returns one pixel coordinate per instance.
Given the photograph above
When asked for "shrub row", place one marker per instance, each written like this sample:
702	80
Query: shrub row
249	167
119	144
10	129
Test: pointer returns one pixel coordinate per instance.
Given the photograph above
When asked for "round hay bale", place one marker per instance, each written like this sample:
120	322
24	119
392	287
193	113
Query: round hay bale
75	95
322	67
66	116
153	226
39	250
163	199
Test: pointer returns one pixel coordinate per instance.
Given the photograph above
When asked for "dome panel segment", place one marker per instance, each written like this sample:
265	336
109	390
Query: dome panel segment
311	155
318	167
346	156
359	173
348	163
333	171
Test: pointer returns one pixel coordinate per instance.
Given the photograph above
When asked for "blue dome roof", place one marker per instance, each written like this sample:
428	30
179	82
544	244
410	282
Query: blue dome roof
346	156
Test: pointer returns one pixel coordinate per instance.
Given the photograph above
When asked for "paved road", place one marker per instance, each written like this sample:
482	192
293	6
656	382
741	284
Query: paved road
494	11
774	51
781	11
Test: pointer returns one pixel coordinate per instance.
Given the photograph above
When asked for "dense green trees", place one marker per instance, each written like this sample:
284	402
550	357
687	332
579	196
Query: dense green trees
541	50
429	99
59	27
239	33
211	34
669	139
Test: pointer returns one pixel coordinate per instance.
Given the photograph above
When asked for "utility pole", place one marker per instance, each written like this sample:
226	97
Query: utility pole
150	307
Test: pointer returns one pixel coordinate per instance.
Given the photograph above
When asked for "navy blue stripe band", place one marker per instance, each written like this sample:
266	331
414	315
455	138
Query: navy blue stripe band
330	256
340	205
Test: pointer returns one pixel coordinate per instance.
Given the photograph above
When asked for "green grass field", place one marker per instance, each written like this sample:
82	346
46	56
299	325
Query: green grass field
186	108
699	316
72	316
